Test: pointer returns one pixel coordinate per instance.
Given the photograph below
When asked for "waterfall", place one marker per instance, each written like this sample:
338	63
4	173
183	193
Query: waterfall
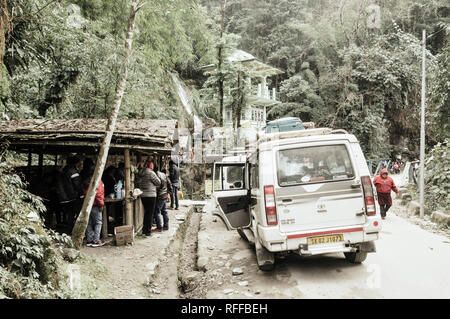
186	100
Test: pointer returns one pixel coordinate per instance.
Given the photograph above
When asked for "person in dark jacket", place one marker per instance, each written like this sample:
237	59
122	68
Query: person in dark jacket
88	167
109	180
148	183
70	191
161	200
174	175
384	185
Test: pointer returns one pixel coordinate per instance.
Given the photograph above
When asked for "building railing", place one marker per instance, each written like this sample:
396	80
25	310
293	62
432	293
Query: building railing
265	93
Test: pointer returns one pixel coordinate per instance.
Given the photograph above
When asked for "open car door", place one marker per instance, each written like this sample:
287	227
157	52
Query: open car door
230	194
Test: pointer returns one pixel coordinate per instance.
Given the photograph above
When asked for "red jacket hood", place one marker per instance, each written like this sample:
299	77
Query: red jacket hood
383	171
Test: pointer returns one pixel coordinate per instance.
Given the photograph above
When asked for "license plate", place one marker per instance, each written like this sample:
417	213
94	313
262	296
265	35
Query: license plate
325	239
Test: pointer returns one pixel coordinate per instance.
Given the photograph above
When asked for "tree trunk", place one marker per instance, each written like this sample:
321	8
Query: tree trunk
82	220
239	104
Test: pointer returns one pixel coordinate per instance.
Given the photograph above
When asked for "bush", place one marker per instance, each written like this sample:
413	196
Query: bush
29	260
437	179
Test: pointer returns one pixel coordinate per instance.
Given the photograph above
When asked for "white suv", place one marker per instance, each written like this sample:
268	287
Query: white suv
307	192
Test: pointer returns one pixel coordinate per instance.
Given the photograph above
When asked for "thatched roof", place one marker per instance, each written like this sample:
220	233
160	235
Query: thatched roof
57	136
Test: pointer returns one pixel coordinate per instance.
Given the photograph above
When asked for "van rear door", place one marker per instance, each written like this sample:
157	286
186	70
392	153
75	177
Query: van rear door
318	187
231	194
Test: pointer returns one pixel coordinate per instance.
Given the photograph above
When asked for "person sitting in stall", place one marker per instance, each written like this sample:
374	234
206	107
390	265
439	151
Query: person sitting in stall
95	222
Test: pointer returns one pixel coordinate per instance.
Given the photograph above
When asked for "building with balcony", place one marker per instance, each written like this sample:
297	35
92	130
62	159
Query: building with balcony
261	79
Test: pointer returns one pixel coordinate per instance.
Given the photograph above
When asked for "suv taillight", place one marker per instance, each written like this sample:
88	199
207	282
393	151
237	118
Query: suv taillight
271	209
369	199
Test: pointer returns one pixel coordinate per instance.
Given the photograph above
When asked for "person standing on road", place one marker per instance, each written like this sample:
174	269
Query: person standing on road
384	185
174	174
148	183
163	191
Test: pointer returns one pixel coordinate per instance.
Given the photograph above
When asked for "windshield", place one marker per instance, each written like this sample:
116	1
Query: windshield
314	164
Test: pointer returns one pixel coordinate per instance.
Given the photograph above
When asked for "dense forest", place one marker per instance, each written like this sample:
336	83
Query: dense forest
62	58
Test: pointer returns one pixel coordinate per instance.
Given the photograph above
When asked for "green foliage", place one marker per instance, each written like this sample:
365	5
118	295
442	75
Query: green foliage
440	96
227	74
29	262
341	73
437	181
5	90
64	62
299	94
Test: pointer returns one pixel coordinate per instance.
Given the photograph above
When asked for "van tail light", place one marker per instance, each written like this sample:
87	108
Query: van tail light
271	209
369	198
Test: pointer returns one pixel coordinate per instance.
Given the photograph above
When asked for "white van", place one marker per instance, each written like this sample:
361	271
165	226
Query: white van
307	192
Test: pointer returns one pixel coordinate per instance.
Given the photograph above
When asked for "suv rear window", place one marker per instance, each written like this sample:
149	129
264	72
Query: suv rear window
315	164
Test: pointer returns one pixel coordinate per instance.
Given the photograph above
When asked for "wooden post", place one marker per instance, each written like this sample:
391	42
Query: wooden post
105	223
40	164
128	206
30	159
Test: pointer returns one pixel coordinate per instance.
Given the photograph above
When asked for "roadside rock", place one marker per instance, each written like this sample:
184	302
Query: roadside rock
190	280
180	217
202	263
402	191
152	267
237	271
405	197
70	254
414	208
243	283
441	218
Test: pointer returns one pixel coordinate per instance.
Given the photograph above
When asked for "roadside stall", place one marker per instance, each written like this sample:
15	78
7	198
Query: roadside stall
52	141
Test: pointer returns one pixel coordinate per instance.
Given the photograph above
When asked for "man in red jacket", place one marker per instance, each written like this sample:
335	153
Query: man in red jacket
384	185
95	218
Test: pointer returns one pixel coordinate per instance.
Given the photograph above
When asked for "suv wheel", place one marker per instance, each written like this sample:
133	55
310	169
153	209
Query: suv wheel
355	258
264	258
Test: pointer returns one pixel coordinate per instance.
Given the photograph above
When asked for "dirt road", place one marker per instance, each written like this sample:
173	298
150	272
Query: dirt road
410	262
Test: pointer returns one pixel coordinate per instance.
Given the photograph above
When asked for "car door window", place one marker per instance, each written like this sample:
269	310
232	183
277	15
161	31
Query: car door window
229	177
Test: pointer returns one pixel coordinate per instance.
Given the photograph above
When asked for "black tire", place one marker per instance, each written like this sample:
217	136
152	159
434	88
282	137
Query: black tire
261	252
241	233
356	258
267	267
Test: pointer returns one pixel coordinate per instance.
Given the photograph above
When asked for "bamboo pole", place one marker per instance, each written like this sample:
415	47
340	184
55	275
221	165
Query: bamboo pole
82	220
128	210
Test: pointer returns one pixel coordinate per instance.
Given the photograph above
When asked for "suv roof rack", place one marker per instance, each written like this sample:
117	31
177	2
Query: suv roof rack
301	133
